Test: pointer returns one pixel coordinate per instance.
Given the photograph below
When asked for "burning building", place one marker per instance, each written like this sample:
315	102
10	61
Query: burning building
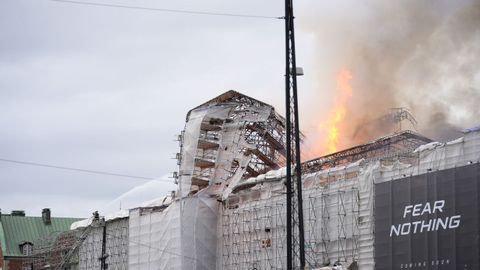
400	201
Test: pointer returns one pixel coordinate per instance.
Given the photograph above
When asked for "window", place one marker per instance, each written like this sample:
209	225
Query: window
27	249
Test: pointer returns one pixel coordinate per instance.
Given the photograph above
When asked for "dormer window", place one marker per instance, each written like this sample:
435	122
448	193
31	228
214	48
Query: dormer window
27	248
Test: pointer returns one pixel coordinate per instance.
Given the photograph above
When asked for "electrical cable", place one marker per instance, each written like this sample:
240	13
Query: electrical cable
77	169
194	12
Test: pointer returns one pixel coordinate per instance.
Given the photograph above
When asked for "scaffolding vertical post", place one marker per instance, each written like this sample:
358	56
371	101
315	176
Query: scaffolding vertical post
288	139
103	258
294	213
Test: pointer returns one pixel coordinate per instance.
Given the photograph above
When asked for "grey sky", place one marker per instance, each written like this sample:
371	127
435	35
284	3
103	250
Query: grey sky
108	89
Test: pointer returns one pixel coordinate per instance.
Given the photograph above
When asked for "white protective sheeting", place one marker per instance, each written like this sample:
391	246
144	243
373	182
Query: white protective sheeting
253	220
81	223
338	208
199	232
108	217
189	150
123	213
247	230
437	156
181	236
154	238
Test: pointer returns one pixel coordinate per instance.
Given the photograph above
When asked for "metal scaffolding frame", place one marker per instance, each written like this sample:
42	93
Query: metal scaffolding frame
332	210
232	136
52	251
254	231
395	144
254	236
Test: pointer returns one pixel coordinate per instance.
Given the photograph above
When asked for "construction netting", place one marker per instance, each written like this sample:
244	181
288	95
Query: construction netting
253	223
114	246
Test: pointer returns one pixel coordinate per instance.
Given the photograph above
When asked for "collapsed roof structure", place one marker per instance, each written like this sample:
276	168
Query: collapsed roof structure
227	139
395	144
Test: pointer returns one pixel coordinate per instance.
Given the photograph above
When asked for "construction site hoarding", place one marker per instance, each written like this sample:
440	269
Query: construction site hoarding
429	221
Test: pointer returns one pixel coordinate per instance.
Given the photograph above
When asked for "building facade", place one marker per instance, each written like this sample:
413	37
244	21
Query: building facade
20	233
399	202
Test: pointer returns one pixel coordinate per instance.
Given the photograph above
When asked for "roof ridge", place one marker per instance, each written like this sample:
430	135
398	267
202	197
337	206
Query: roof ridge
17	229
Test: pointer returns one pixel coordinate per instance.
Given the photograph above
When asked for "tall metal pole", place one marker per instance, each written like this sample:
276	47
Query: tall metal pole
298	163
103	258
288	138
294	223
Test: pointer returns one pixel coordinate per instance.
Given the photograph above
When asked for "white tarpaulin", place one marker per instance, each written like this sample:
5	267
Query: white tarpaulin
181	236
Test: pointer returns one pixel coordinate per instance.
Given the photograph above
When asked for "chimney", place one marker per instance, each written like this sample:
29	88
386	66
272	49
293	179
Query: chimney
18	213
46	216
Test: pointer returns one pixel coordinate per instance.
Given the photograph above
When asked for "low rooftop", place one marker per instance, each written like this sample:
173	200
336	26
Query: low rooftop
16	229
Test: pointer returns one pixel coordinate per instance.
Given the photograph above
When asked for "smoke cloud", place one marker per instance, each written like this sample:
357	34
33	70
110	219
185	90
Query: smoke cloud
421	55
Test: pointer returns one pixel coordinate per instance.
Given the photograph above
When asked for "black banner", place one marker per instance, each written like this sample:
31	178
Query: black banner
429	221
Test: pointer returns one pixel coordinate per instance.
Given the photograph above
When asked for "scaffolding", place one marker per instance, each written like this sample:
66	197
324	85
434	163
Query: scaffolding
105	246
51	252
253	222
231	212
338	202
229	138
393	145
253	233
247	230
94	243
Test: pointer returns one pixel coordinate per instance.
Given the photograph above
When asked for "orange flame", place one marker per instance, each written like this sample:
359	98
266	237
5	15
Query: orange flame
337	115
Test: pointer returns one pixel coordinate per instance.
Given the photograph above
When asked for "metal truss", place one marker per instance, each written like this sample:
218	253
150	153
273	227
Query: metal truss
398	143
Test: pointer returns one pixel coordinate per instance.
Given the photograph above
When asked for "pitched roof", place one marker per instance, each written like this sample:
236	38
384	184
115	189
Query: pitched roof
229	96
15	230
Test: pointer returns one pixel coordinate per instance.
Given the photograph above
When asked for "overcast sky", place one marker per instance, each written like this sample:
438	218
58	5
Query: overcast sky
108	89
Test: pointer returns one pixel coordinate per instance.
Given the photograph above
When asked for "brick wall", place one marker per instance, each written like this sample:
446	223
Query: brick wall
1	259
13	264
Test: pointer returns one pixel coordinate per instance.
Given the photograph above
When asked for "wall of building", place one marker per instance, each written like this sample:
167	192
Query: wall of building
442	172
247	230
338	209
429	220
336	220
13	264
1	257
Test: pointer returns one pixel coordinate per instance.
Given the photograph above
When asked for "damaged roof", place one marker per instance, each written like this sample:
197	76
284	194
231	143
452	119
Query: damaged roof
229	96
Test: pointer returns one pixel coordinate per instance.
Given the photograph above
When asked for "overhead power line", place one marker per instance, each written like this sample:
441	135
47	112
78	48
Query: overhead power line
76	169
194	12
